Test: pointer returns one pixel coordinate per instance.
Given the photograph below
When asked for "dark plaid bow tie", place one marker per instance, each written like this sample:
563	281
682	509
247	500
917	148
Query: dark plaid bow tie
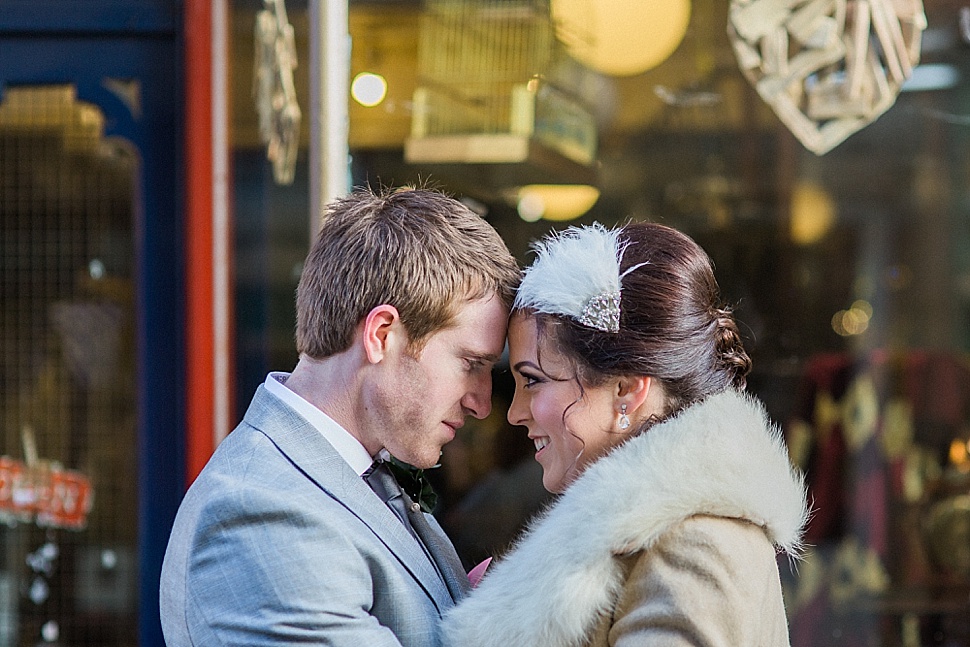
415	483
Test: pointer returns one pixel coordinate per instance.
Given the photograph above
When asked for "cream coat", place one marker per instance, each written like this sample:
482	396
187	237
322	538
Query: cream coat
668	540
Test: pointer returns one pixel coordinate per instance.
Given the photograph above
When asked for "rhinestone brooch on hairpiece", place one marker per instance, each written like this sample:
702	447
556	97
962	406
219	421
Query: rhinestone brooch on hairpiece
602	312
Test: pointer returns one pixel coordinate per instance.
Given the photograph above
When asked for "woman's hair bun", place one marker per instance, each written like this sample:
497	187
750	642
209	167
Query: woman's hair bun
729	346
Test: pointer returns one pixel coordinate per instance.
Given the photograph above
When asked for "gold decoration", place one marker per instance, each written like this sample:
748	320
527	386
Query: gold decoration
860	412
857	572
828	68
800	440
826	415
897	428
948	535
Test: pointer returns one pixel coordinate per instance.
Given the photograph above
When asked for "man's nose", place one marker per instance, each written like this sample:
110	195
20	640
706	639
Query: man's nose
478	400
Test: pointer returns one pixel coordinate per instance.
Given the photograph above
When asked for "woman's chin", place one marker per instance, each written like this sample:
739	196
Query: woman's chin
554	484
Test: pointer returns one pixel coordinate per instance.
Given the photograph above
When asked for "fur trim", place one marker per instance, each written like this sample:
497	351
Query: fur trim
720	457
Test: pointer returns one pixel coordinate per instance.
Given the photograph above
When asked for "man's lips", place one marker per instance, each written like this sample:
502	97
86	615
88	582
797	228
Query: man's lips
454	426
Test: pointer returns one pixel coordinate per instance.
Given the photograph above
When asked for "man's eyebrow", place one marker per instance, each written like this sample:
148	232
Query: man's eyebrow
490	358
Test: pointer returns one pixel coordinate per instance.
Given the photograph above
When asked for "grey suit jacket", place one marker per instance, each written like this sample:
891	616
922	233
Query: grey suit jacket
280	542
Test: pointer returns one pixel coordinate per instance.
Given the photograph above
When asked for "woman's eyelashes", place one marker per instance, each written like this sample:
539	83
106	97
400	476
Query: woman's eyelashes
530	379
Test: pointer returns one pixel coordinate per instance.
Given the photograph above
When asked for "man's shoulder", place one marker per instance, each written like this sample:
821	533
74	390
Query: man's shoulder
249	481
266	409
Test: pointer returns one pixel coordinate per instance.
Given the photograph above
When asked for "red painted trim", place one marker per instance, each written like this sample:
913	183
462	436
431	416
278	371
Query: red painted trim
199	325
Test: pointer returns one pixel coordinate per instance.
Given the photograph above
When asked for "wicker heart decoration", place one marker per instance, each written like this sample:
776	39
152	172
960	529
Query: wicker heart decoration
828	68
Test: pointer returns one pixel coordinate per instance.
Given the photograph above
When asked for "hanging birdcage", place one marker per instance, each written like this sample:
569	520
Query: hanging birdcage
494	84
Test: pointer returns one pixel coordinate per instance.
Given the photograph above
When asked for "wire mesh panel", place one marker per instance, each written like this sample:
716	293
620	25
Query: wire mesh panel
67	375
473	55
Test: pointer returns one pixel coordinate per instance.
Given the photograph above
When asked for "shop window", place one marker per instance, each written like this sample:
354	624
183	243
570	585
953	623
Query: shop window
68	468
850	273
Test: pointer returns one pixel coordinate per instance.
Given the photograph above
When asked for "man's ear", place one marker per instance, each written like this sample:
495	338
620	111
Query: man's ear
633	391
377	331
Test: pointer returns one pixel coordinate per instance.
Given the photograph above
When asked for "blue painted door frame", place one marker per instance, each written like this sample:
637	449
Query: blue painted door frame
85	43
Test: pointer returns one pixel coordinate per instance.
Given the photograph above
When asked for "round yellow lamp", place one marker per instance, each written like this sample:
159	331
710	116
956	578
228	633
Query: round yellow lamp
555	201
620	37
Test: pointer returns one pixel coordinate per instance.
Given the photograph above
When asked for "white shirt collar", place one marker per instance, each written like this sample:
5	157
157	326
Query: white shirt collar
349	448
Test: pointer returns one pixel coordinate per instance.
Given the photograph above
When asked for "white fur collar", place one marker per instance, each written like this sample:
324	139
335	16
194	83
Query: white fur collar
721	457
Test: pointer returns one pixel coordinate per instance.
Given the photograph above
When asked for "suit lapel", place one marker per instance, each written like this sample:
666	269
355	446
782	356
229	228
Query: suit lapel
309	451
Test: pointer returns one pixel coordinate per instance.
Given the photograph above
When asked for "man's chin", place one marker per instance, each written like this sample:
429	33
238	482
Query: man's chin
422	460
424	463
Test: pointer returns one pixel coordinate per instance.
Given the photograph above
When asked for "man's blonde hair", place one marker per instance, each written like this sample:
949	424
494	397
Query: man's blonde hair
416	249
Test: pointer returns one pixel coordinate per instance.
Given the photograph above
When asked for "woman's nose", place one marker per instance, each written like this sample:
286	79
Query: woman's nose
519	410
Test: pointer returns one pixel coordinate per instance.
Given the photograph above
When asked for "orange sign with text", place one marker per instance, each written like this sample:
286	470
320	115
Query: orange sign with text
45	494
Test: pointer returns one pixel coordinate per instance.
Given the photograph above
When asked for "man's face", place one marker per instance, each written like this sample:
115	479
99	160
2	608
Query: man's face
420	401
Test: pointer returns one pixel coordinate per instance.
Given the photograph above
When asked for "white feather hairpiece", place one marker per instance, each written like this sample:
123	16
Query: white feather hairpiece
576	273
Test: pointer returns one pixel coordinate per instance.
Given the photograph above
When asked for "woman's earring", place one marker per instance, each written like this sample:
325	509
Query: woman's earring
624	419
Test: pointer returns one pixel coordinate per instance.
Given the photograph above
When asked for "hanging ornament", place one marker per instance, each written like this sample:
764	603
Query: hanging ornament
828	68
279	112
